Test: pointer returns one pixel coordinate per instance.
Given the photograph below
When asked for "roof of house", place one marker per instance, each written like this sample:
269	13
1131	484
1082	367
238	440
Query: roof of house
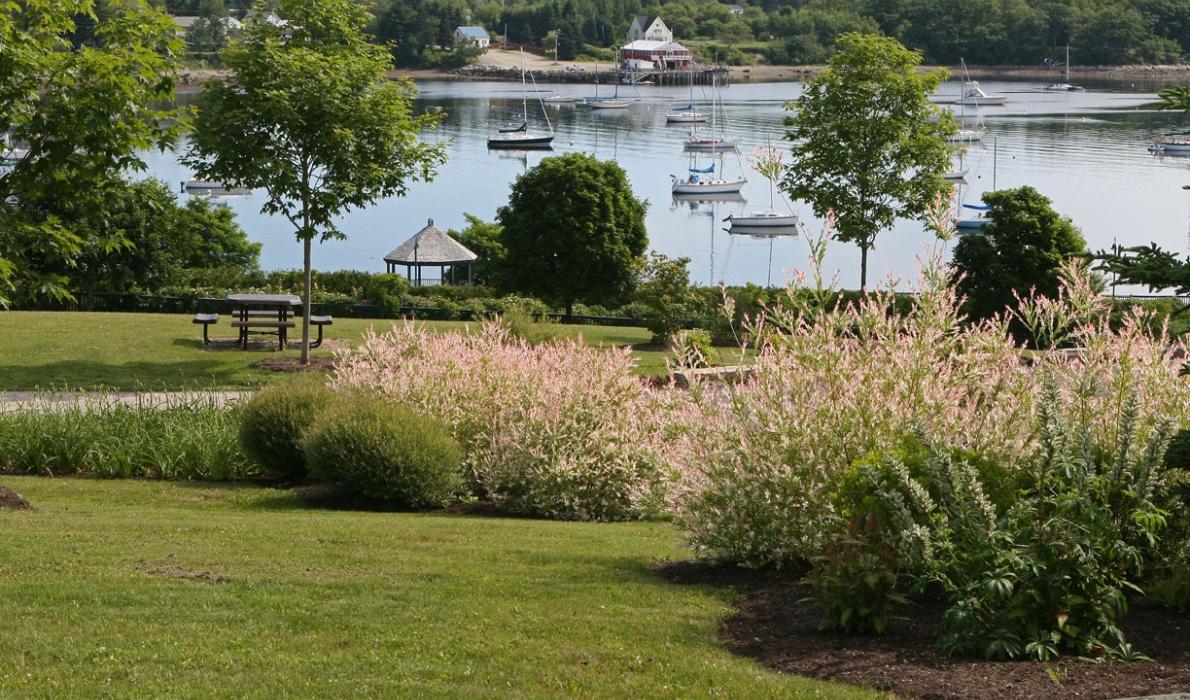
430	246
473	32
650	45
185	21
736	8
645	21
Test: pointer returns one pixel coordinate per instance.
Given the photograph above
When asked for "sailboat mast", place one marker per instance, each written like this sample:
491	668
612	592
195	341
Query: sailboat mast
524	92
1067	78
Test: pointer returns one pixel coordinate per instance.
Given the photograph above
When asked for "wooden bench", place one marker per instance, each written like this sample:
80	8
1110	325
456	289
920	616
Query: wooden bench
206	320
279	329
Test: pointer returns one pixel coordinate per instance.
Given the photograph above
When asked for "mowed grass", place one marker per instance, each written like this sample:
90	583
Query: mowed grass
81	350
155	589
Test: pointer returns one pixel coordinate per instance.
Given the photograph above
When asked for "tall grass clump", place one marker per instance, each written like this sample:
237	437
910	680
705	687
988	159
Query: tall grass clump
187	439
274	419
837	382
556	430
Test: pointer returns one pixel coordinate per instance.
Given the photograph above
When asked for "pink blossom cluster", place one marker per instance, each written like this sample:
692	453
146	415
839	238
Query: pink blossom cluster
833	385
560	430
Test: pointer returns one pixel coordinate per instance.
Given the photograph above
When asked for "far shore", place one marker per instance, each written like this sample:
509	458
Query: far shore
503	66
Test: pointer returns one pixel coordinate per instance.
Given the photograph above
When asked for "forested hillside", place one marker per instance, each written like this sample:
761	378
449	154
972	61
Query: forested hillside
1018	32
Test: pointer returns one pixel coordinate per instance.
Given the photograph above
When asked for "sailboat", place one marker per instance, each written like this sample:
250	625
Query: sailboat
696	184
974	95
520	136
1065	86
769	221
597	102
712	143
687	114
967	134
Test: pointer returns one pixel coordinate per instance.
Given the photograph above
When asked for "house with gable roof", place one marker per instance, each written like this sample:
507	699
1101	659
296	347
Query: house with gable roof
649	28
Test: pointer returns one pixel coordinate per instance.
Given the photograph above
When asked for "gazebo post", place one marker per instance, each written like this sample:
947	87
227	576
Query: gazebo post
469	266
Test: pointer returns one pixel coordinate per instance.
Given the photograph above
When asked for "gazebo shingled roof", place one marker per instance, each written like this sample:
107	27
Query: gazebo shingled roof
432	247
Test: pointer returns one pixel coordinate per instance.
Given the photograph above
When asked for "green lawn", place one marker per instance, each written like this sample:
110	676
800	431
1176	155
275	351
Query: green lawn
159	589
79	350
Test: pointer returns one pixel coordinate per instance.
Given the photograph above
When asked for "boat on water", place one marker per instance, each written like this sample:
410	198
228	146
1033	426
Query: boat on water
713	142
206	188
965	135
696	182
612	102
955	175
9	157
687	114
521	136
974	95
767	221
1065	85
556	99
1172	143
976	221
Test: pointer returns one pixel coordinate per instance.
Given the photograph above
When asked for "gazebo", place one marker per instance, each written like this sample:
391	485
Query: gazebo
430	247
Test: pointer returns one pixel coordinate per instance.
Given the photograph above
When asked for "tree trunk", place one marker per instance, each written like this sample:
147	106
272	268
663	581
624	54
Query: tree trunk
569	311
863	267
306	304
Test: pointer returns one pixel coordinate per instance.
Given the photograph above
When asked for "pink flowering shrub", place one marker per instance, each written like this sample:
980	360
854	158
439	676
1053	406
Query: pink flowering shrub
559	430
834	385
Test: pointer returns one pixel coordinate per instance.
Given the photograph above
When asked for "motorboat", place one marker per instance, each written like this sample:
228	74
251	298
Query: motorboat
557	99
954	175
974	95
967	136
1172	143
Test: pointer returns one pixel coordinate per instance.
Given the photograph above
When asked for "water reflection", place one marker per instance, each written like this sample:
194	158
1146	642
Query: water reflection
1086	151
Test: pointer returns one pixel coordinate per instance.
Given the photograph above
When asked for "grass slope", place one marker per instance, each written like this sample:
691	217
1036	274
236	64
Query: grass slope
80	350
151	589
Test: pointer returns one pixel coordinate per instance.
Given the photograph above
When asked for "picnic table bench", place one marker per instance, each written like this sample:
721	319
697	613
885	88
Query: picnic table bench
262	314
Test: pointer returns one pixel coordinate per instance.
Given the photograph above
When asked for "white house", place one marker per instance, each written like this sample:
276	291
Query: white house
184	23
735	10
472	36
649	28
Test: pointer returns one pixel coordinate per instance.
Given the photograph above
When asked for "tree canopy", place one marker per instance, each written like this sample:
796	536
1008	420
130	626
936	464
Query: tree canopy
81	107
1151	266
1021	248
573	232
866	141
308	115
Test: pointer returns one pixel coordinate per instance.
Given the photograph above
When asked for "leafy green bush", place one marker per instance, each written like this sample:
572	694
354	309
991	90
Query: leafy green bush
182	440
273	421
665	293
692	348
855	581
523	325
379	450
1040	575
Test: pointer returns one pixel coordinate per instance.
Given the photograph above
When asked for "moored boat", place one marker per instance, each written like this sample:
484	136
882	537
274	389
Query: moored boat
696	184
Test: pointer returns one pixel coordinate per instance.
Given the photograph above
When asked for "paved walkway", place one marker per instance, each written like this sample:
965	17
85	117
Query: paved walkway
63	400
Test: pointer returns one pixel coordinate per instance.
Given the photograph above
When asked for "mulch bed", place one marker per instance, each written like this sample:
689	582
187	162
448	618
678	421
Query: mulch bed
773	627
294	364
12	500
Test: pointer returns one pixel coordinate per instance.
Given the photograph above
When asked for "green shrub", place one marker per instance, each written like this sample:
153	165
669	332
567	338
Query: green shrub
523	325
273	421
183	440
1038	575
855	582
692	348
376	449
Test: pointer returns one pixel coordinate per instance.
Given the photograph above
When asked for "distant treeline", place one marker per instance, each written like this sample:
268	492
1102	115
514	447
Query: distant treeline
1002	32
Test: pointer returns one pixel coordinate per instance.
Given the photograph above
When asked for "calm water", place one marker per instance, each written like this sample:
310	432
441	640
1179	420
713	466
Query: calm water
1086	151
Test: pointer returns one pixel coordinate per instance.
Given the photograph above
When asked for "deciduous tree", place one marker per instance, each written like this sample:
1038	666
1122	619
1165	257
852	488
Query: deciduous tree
866	141
308	115
76	117
573	231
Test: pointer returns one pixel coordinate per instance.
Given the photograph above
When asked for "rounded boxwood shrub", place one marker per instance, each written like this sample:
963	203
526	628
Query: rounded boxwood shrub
376	449
272	423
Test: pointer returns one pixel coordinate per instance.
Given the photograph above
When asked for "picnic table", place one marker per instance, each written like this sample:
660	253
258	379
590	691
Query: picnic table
263	314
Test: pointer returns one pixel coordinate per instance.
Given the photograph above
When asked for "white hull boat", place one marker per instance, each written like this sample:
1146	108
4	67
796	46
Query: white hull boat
1167	145
974	95
685	117
560	99
966	136
710	144
955	175
762	220
606	103
700	186
206	188
975	222
1065	85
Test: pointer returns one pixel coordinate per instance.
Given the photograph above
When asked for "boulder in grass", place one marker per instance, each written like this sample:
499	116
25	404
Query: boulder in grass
12	500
